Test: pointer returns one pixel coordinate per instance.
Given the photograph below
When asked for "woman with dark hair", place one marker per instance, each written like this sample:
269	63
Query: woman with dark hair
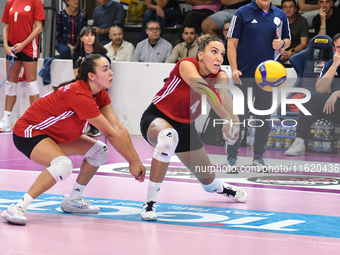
168	124
44	135
69	23
88	43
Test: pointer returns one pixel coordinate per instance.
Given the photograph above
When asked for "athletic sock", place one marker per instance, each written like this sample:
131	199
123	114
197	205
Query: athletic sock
153	190
25	201
215	186
7	116
77	191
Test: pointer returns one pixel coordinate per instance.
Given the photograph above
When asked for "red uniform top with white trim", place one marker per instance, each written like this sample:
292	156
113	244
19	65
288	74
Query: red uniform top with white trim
20	17
62	114
177	99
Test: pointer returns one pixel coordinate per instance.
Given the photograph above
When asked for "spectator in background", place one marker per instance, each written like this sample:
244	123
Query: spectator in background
327	22
225	40
118	49
308	9
324	102
298	26
189	47
88	43
164	11
154	48
215	22
69	23
20	38
201	9
107	14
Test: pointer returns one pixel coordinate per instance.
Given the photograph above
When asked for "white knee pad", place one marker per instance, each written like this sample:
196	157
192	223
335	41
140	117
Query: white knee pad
97	154
167	141
32	87
11	88
60	168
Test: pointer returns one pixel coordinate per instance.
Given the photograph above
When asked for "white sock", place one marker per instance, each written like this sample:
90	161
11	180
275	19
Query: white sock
25	201
7	116
215	186
77	191
153	190
298	139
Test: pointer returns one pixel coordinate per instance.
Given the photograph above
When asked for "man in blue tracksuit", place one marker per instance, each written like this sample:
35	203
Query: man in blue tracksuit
253	39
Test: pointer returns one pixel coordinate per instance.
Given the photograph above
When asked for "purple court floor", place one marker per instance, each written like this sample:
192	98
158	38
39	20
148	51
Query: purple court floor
294	209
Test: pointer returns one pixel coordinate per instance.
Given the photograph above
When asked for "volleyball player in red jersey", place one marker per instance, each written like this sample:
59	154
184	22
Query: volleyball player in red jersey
168	123
23	23
53	128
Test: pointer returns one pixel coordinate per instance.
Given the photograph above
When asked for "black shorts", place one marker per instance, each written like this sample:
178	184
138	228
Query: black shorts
20	56
188	137
26	145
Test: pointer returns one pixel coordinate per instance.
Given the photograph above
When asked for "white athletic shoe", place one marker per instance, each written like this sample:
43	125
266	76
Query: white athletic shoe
5	126
78	205
235	193
15	214
297	148
149	211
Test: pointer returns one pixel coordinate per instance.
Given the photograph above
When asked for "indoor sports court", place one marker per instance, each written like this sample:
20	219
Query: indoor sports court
288	211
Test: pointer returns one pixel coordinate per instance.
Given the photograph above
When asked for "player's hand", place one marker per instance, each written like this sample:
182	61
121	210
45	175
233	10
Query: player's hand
277	43
230	132
329	105
336	59
138	171
236	77
17	48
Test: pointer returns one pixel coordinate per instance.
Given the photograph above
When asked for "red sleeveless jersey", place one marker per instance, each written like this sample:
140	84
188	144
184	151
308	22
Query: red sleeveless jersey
177	99
62	115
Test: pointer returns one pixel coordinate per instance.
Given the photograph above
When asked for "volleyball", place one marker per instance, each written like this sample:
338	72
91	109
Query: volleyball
270	74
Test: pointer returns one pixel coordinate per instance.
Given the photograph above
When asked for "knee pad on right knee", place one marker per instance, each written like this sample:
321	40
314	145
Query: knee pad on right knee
167	141
11	88
60	168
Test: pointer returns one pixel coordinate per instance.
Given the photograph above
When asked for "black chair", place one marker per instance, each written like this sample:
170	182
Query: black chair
308	65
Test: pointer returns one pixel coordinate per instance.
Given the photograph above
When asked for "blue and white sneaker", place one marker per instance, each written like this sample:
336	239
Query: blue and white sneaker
261	167
78	205
231	165
15	214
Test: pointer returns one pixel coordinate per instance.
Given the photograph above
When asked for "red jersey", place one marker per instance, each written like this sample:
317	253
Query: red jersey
20	17
177	99
62	114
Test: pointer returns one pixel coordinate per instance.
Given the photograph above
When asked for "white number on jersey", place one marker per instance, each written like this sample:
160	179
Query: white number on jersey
193	108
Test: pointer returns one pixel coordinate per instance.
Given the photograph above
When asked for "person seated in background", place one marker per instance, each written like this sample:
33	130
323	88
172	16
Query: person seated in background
88	43
69	23
308	9
189	47
298	26
225	40
322	103
327	22
154	48
201	9
164	11
215	22
118	49
105	15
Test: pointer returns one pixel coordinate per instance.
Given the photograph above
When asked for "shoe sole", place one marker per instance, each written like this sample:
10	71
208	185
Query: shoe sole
299	154
92	135
5	129
149	218
65	210
9	219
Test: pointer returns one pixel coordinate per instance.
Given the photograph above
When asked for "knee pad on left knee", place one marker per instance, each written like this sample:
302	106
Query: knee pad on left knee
98	154
167	141
32	87
60	168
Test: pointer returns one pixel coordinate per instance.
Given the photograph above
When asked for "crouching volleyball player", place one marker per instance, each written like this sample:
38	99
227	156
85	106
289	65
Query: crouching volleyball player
53	128
168	123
